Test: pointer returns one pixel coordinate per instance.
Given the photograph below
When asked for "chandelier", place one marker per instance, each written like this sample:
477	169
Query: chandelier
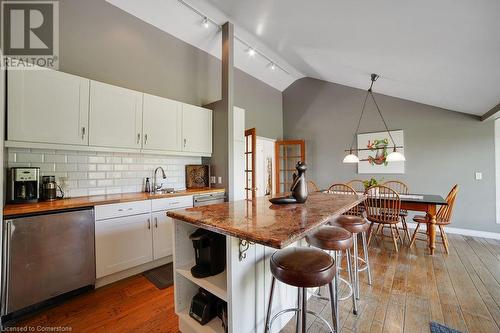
394	156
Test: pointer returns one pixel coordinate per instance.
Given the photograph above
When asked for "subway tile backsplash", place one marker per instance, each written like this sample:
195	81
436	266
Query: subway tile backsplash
95	173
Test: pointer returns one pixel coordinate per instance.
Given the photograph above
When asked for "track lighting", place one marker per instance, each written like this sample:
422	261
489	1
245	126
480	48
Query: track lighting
206	21
251	52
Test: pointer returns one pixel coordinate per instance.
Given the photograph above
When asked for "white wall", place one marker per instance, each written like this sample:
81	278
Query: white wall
265	150
497	166
91	173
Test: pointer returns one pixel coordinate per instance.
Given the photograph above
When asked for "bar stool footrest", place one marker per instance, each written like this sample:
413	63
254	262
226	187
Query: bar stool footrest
297	310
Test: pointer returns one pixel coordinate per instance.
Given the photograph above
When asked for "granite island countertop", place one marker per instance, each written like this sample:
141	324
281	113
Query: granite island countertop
261	222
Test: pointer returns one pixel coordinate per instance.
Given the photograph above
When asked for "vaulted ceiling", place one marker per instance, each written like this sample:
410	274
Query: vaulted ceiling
444	53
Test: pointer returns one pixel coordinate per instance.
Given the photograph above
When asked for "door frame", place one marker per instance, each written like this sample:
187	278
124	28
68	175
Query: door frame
277	145
497	167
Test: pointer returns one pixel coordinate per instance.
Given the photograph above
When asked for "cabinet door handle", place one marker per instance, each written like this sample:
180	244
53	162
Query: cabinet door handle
149	224
83	133
138	137
156	222
145	139
185	142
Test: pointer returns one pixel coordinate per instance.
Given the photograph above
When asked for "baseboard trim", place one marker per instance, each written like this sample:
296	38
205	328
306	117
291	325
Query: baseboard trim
131	271
465	232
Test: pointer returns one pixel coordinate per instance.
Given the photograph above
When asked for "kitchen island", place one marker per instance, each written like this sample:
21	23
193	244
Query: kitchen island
253	230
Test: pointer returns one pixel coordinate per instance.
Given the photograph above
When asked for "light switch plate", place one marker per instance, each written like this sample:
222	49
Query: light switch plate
219	180
212	179
479	175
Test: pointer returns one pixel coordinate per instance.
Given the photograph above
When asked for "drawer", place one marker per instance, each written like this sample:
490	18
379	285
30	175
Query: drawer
172	203
122	209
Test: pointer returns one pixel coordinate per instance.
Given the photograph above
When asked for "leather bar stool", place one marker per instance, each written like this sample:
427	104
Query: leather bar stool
338	240
302	267
356	225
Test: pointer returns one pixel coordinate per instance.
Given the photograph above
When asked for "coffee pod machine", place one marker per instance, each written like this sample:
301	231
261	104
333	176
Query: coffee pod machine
210	253
24	185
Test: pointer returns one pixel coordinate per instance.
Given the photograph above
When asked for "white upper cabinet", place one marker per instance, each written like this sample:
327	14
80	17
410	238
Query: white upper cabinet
51	109
115	116
46	106
196	129
162	124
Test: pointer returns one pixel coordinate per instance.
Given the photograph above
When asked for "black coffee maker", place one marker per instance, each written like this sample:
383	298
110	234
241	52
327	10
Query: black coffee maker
210	253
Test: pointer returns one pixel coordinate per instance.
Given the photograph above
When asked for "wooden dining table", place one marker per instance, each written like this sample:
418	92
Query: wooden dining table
428	204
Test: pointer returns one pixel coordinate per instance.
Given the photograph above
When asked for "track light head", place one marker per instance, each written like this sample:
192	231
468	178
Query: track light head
251	52
205	23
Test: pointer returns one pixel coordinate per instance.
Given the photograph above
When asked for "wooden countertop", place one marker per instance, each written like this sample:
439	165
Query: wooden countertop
12	210
261	222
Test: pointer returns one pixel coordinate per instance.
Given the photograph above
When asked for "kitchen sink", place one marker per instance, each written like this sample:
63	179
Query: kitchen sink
163	192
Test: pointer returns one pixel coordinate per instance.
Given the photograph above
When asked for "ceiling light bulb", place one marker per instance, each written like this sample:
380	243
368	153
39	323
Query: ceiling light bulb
205	22
395	156
251	52
272	66
351	158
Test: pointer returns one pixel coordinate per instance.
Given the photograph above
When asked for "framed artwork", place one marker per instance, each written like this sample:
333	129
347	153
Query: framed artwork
197	176
379	145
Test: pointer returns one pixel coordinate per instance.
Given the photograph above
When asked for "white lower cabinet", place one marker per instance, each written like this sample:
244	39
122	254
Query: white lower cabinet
123	243
134	233
162	235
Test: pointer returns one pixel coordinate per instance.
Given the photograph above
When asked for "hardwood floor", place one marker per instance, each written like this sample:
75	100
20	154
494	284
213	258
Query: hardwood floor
410	289
130	305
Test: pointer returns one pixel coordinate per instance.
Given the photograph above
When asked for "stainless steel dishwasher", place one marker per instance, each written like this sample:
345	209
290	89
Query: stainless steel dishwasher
208	199
46	256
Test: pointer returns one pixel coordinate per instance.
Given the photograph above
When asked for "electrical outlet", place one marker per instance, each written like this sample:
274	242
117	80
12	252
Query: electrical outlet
479	175
219	180
212	179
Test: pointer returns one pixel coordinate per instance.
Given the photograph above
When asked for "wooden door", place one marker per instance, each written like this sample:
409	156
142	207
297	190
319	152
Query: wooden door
196	129
115	116
250	151
287	154
47	106
162	235
162	124
122	243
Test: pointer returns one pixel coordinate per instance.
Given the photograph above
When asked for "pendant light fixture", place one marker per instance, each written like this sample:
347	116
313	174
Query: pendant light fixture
352	157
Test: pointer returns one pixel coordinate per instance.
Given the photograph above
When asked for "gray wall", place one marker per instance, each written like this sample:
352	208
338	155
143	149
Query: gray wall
104	43
441	147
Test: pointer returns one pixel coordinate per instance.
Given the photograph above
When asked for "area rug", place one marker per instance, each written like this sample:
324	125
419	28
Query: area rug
162	277
440	328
